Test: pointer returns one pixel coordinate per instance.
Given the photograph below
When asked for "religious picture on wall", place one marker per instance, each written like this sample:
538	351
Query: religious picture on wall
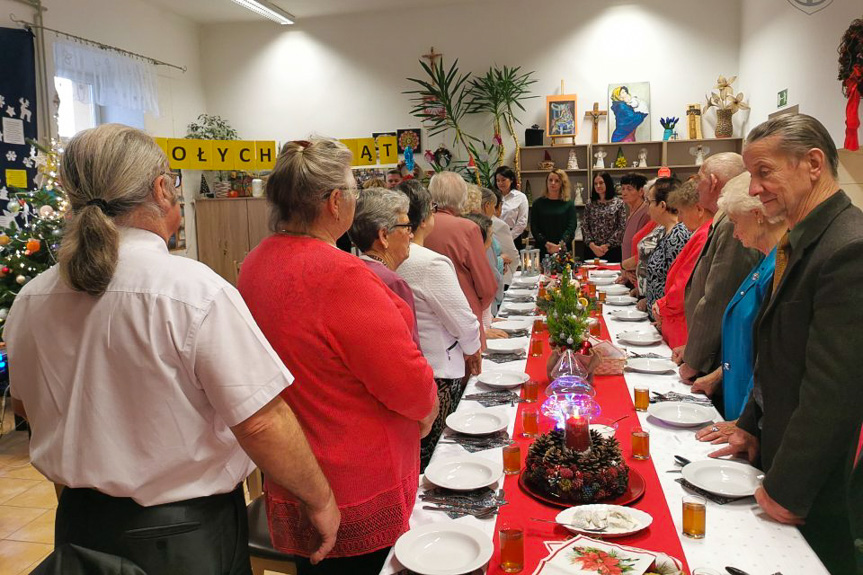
410	137
630	106
560	114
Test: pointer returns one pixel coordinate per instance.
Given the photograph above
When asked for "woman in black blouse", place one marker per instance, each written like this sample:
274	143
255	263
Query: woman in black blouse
553	219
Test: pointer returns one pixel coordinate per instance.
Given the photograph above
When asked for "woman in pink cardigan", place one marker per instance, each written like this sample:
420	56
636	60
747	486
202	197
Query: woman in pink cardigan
363	394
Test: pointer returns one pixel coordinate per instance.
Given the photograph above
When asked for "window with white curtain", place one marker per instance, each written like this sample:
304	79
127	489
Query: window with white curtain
98	86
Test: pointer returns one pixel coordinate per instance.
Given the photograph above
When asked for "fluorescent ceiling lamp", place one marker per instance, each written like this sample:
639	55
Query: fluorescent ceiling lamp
267	10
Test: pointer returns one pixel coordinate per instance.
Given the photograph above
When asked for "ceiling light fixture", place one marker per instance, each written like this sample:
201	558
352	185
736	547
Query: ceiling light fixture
267	10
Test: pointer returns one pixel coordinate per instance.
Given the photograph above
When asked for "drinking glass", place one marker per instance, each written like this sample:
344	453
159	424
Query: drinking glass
536	348
640	444
642	397
531	390
694	516
530	421
511	459
511	547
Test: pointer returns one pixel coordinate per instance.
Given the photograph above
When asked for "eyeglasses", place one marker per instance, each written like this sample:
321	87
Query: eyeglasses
347	192
407	225
178	178
434	207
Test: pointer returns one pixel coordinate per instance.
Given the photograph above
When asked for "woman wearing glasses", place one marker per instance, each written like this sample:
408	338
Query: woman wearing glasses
382	232
448	329
364	394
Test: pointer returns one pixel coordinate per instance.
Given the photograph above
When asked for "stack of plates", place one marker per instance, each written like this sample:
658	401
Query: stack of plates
502	379
628	314
445	548
614	289
464	473
639	337
481	422
620	300
519	306
511	325
682	413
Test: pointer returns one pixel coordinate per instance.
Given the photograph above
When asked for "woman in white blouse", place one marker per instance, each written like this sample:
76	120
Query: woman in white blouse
448	329
514	211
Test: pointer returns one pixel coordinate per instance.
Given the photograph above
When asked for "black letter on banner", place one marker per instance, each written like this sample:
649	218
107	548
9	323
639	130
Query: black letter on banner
174	153
242	157
266	154
222	153
367	152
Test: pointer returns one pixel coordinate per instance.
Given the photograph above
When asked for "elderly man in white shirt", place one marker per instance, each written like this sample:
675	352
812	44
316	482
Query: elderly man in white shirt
515	208
448	328
148	386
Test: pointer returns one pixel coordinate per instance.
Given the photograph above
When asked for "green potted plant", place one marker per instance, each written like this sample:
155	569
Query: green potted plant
209	127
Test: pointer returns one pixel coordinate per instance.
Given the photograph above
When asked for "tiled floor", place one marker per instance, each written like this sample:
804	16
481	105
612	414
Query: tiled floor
27	507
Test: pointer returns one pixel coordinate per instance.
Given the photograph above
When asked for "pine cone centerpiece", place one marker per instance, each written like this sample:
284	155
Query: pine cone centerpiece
553	469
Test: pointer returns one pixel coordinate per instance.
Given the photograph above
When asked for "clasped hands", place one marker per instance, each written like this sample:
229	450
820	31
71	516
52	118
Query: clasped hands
598	250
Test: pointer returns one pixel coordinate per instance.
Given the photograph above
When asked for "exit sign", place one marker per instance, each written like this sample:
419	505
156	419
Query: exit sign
782	98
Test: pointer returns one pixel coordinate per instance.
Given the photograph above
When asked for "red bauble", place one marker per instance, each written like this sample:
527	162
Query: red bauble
585	346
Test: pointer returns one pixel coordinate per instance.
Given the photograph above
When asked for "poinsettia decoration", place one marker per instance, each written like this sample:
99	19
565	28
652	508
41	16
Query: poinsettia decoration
601	562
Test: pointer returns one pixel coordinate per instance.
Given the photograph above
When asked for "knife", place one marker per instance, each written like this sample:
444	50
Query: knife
736	571
682	461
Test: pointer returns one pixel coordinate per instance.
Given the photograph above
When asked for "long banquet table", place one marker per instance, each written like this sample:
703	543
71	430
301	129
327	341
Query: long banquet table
738	533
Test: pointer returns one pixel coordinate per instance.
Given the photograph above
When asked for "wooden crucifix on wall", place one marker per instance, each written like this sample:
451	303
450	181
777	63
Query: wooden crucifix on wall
595	115
432	56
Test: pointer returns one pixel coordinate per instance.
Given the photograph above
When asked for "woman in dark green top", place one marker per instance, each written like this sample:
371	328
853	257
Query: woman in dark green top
552	217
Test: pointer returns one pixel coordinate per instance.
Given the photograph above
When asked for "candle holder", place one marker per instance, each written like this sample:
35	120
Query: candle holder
577	433
530	263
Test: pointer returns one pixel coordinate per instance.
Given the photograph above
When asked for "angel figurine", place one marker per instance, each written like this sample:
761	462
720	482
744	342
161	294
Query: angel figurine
699	152
642	158
578	200
572	162
600	159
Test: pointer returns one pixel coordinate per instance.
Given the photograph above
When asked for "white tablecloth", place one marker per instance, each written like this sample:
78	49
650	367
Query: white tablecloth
738	533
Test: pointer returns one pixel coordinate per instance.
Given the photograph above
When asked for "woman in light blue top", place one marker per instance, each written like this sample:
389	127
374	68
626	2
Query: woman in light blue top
754	230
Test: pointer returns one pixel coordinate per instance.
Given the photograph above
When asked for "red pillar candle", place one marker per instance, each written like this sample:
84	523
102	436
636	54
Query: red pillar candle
577	435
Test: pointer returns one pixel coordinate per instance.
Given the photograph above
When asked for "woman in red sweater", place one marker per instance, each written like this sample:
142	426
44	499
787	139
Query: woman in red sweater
363	392
668	311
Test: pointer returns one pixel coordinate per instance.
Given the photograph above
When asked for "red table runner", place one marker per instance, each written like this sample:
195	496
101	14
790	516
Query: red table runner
613	396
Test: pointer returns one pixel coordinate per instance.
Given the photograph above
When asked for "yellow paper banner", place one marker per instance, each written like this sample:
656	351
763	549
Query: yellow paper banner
366	154
265	154
388	149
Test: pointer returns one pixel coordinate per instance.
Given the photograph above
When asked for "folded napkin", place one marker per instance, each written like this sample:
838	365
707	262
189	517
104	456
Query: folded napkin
519	333
474	443
720	499
505	357
514	312
520	299
494	398
674	396
464	502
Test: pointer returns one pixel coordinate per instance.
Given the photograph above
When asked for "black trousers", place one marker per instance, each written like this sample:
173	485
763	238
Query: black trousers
368	564
207	535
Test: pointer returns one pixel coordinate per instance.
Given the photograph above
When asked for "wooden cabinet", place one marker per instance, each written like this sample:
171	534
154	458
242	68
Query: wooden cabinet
227	230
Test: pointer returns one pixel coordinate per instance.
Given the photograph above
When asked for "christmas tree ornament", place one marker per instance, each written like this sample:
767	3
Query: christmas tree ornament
21	280
4	313
13	206
4	239
46	211
33	245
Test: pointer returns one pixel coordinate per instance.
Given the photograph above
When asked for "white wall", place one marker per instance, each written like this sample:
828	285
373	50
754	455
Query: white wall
344	76
138	27
781	47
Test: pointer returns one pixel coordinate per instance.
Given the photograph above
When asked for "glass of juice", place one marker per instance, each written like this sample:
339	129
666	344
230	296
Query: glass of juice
511	458
694	516
530	421
531	390
642	397
640	444
511	547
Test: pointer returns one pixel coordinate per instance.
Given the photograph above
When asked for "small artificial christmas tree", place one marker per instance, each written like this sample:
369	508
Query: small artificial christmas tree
29	244
567	314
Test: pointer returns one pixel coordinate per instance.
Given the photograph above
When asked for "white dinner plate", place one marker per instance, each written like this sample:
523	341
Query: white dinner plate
604	273
628	314
592	261
651	365
444	548
600	281
503	379
480	422
620	300
511	325
614	289
526	281
639	337
681	413
520	292
722	477
507	345
519	306
464	473
578	516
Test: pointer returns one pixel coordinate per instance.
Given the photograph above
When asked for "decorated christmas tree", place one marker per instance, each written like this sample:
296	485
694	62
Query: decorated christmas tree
567	313
33	222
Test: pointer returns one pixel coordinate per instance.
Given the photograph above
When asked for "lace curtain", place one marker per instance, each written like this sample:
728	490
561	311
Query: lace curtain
117	80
